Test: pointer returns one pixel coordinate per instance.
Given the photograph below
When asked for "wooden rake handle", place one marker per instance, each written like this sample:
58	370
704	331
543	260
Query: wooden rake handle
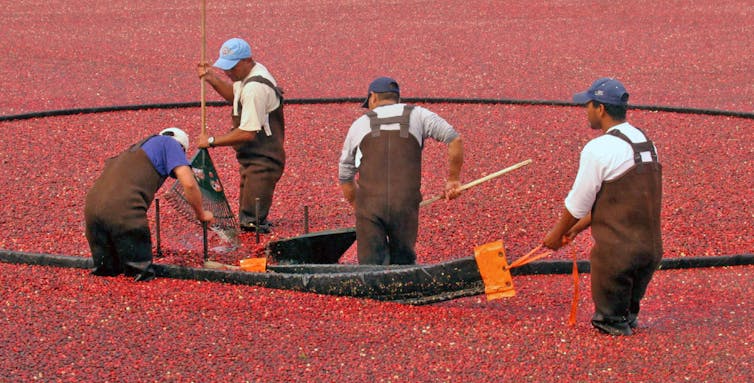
204	62
480	180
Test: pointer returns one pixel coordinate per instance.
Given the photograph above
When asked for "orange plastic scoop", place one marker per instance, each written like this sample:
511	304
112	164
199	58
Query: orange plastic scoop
495	270
258	265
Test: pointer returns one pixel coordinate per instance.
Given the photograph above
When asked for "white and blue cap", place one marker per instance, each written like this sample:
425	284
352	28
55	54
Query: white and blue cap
232	51
605	90
382	85
179	135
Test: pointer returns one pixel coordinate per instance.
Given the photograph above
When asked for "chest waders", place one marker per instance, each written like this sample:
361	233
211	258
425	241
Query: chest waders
628	240
116	215
388	196
261	161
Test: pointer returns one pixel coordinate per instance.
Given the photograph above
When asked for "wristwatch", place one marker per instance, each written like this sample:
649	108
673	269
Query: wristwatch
211	142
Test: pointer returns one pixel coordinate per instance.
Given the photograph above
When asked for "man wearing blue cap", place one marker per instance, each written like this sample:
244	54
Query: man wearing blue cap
258	129
384	146
617	191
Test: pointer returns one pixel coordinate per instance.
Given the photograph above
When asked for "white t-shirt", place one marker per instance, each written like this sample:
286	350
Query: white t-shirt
603	159
258	101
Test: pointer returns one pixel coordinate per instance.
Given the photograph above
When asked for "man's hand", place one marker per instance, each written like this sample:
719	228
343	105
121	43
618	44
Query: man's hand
452	190
557	237
582	224
571	235
553	242
206	216
349	192
202	141
203	69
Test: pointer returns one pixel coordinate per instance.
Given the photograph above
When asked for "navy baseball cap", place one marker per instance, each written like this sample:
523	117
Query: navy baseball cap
382	85
232	51
605	90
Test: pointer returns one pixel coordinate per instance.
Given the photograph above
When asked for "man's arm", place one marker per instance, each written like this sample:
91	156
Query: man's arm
579	200
455	162
222	87
235	136
349	191
556	238
347	167
436	127
191	190
580	226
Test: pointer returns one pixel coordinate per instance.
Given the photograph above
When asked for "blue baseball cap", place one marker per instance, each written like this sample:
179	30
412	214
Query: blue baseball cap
382	85
232	51
605	90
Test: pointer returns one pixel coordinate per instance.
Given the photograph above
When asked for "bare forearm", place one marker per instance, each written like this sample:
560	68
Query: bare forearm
234	137
455	159
194	198
191	191
349	191
554	239
223	88
582	224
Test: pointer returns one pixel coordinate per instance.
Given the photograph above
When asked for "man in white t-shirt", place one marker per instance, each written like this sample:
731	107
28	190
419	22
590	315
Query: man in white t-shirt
258	129
617	191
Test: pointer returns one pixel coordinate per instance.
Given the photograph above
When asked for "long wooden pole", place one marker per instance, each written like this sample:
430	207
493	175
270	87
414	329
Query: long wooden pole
307	238
203	63
480	180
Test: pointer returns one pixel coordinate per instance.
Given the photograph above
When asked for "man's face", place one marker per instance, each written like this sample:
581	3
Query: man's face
239	71
593	114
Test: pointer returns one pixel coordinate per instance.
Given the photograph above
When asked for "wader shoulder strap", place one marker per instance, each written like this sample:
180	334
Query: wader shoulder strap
138	145
646	146
260	79
404	119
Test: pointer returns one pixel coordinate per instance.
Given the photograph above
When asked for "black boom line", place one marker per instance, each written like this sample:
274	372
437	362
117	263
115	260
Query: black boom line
343	100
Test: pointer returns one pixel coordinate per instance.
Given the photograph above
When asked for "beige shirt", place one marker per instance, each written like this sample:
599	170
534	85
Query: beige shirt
258	101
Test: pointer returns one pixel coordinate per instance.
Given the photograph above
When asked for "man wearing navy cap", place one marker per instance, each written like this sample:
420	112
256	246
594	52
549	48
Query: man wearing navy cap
617	191
384	146
258	129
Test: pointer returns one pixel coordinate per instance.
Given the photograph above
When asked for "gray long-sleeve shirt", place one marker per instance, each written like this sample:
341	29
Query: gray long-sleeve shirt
423	124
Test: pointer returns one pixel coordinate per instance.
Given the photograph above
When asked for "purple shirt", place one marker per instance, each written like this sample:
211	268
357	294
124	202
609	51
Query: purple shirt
165	153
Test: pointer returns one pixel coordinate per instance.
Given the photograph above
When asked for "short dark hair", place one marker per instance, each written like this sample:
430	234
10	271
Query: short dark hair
388	96
616	112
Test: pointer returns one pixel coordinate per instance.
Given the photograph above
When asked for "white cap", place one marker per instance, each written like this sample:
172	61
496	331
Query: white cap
179	136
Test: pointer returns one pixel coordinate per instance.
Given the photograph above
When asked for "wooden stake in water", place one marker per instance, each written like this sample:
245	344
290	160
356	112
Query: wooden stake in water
204	238
157	225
